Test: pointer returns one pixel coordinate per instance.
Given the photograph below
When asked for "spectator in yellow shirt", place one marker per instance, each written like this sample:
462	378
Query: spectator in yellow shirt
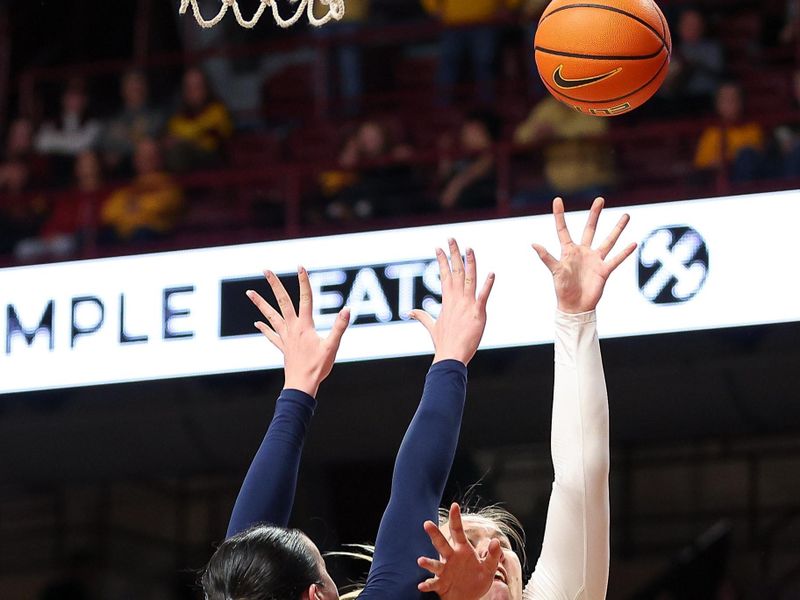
736	142
196	134
149	207
468	31
574	166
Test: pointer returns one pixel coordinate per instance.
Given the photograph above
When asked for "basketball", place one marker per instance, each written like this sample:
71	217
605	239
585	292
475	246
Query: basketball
603	58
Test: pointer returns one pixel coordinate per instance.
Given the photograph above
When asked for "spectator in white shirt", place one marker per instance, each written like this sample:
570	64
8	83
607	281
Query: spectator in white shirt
73	132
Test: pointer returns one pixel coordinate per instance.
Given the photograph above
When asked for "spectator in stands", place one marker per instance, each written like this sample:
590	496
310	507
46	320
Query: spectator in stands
574	166
347	56
137	120
787	137
373	179
470	182
530	11
19	145
70	214
22	209
148	208
696	68
790	30
197	133
468	31
72	133
735	141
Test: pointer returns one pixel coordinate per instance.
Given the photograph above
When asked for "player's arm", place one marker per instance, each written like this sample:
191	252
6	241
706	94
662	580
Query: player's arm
426	454
575	553
268	490
574	560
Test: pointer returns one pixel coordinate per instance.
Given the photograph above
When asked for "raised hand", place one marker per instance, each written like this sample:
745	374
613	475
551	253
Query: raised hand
307	358
581	274
461	573
458	330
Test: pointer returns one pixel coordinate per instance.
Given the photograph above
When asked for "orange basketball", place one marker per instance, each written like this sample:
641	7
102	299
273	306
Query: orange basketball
604	57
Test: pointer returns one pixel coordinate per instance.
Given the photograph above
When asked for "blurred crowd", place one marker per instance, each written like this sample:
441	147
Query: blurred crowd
73	177
142	145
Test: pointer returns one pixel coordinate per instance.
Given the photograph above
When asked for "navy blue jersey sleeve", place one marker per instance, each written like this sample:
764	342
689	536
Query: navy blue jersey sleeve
420	474
267	493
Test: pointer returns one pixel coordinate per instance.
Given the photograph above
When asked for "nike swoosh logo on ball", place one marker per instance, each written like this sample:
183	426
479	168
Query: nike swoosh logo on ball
567	84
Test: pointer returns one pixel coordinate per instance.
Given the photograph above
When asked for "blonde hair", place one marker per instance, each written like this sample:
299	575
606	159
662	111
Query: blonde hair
363	552
505	522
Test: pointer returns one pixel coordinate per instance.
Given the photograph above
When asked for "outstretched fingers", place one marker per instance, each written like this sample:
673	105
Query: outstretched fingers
561	222
281	295
268	333
423	317
445	276
620	258
429	564
548	259
438	540
306	297
591	222
456	526
429	585
612	238
457	264
470	278
272	315
339	327
486	290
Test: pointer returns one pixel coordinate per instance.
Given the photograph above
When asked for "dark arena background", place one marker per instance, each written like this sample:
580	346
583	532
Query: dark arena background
133	392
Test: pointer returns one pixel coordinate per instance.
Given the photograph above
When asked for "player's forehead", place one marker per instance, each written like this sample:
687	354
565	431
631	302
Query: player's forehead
477	526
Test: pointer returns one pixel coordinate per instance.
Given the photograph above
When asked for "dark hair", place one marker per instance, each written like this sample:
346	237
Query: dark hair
211	94
488	120
262	563
732	83
76	85
134	72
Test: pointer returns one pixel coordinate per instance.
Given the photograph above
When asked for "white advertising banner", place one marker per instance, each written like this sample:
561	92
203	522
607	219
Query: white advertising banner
703	264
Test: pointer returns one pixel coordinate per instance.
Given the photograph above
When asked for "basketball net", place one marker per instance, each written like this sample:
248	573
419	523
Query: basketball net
335	11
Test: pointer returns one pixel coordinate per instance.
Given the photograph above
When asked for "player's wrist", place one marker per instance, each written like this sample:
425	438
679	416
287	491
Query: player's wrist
574	309
305	383
460	356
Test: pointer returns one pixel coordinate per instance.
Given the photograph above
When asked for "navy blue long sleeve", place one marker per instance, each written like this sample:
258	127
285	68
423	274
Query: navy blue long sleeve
420	474
421	469
267	493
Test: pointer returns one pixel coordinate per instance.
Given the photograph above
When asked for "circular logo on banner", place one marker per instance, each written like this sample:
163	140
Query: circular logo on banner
673	265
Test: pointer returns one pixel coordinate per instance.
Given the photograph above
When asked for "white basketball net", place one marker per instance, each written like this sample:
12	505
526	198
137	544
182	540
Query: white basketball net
335	11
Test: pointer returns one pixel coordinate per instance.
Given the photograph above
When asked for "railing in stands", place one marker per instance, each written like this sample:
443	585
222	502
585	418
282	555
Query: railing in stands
230	207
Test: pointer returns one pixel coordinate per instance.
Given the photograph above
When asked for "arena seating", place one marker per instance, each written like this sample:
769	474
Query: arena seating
261	192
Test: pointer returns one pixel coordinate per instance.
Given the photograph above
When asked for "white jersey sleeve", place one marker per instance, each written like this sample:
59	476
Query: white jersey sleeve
573	564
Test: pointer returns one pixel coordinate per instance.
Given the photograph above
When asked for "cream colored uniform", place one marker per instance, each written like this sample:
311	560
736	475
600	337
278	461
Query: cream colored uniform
573	564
